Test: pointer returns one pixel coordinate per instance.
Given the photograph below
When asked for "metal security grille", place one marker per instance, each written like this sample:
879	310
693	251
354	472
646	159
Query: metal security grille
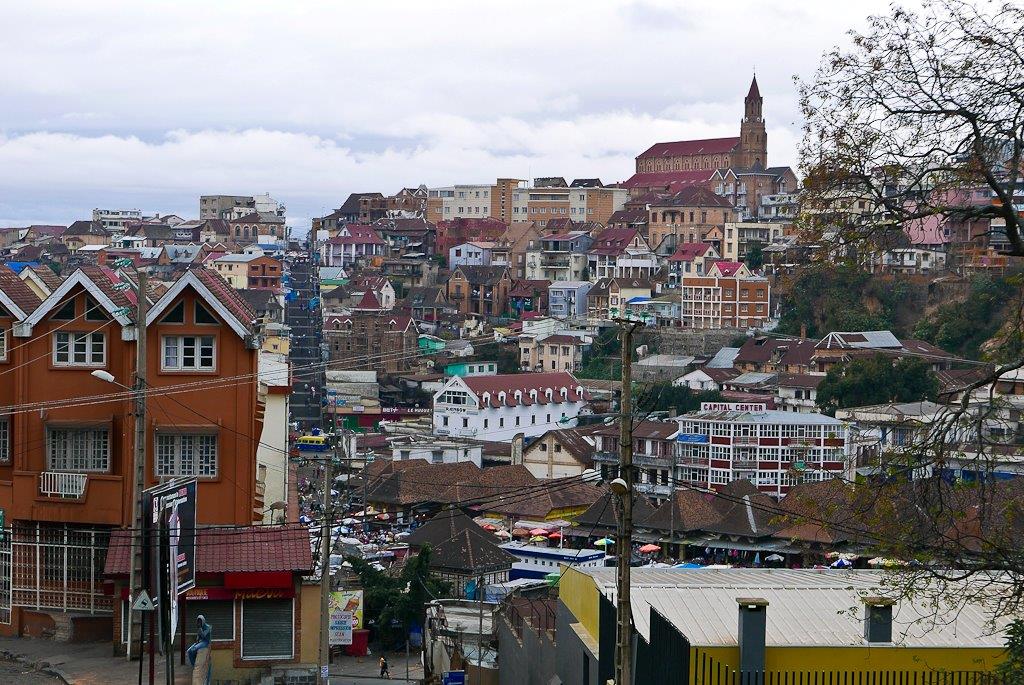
5	576
56	566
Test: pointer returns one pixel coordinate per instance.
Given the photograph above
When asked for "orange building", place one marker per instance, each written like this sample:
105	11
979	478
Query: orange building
728	296
66	440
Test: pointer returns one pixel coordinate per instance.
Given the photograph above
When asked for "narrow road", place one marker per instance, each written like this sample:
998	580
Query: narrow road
14	672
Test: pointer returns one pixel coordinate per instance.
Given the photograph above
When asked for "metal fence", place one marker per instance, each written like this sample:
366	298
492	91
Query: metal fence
53	566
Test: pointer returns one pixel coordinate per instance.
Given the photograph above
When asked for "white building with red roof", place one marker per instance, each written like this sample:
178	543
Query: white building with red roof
500	407
352	243
691	259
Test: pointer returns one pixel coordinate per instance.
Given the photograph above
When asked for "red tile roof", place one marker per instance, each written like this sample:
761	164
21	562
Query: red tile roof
728	268
357	235
509	383
694	196
368	301
18	291
673	180
613	241
226	295
686	252
707	146
224	550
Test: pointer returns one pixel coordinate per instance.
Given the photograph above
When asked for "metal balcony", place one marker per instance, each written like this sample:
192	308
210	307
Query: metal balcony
62	484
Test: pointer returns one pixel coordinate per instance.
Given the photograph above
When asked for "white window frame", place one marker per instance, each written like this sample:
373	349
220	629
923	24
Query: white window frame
3	344
198	345
92	342
177	441
65	464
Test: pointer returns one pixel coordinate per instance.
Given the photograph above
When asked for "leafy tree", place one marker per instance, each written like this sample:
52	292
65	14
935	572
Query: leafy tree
902	125
755	256
661	396
1011	669
962	326
876	380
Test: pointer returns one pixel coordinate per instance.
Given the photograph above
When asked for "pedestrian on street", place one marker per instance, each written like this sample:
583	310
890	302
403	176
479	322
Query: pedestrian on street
384	672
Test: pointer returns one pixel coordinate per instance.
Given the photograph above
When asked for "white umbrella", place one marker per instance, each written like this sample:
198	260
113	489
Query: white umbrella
774	557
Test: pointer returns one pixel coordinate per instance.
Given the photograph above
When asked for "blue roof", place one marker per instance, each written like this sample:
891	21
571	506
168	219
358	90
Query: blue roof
638	298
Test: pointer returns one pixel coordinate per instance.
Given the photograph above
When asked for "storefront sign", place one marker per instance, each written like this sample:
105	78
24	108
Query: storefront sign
732	406
198	594
692	438
405	410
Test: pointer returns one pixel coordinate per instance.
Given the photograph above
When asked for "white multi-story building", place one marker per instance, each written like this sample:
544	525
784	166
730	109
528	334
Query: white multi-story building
464	201
500	407
773	449
114	219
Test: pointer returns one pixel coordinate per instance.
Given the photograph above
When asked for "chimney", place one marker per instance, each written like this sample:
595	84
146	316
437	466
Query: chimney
751	638
878	619
803	331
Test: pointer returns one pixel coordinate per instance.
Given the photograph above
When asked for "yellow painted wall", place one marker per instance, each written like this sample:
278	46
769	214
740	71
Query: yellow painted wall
861	658
309	615
579	594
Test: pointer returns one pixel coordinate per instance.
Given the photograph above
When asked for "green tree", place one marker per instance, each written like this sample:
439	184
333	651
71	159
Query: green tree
755	256
962	326
1011	669
876	380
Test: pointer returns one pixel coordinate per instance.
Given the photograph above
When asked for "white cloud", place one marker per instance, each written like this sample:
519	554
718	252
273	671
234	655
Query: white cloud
137	104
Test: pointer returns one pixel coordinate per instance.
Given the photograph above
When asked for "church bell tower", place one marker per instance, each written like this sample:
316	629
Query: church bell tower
753	139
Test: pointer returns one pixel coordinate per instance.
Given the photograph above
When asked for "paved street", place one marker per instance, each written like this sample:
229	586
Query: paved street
356	670
14	672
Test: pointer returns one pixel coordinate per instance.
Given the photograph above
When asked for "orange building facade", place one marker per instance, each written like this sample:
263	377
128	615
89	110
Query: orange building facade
66	461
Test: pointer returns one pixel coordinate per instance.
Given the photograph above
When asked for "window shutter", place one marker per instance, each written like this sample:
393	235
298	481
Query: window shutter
267	629
220	614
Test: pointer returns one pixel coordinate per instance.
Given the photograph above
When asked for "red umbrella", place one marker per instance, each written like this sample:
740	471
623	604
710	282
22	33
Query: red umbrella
647	549
488	526
520	532
539	531
556	534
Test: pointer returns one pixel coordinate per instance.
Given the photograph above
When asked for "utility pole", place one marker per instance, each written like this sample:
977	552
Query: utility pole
325	573
137	578
624	544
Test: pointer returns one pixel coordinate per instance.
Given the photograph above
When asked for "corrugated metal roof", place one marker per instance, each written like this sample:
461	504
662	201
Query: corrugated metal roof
820	608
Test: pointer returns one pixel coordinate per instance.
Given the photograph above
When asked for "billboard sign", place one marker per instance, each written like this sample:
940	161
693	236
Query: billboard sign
174	509
733	406
692	438
350	601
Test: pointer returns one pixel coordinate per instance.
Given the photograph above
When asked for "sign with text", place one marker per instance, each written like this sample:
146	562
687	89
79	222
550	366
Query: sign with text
199	594
340	627
691	438
350	601
733	406
174	510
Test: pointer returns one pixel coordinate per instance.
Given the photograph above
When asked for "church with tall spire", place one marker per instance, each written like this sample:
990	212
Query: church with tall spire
735	168
747	150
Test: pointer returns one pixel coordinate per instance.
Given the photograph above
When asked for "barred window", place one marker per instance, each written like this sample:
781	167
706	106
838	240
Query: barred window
185	455
189	352
5	441
79	349
78	449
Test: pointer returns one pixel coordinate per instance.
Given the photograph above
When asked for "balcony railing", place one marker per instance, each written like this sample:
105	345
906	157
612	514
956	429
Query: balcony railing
61	484
744	463
744	440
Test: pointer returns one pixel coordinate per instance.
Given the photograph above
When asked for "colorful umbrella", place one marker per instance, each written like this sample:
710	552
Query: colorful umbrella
556	534
520	532
604	542
688	565
489	527
774	557
648	549
841	563
539	531
503	534
538	538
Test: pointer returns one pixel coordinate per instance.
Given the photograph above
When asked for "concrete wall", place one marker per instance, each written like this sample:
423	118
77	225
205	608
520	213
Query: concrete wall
529	661
576	661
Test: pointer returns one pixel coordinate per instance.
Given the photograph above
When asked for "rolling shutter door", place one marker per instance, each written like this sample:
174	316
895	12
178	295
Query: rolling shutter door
220	614
267	629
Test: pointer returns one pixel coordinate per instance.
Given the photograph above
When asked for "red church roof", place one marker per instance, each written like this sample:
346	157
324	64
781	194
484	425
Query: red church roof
708	146
674	181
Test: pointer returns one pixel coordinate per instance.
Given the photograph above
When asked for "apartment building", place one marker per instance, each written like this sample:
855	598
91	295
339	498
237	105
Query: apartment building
568	299
114	220
686	217
653	455
558	352
225	206
470	254
481	290
248	228
775	450
559	257
691	259
503	406
747	188
384	341
510	249
513	201
739	238
727	297
353	243
66	471
609	296
621	252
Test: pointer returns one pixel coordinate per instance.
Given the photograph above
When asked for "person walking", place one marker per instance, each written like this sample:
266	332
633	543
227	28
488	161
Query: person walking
384	671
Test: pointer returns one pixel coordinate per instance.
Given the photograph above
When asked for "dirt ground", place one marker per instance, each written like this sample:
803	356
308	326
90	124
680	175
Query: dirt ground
13	672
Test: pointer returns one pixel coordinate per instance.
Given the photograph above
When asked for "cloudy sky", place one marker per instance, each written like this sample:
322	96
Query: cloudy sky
148	105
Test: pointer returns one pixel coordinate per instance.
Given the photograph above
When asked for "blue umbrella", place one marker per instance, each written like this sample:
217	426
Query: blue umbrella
841	563
687	565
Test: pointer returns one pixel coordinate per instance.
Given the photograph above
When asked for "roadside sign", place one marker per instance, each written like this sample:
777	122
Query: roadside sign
143	602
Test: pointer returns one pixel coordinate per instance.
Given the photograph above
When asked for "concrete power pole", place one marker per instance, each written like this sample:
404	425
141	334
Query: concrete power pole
136	580
624	544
